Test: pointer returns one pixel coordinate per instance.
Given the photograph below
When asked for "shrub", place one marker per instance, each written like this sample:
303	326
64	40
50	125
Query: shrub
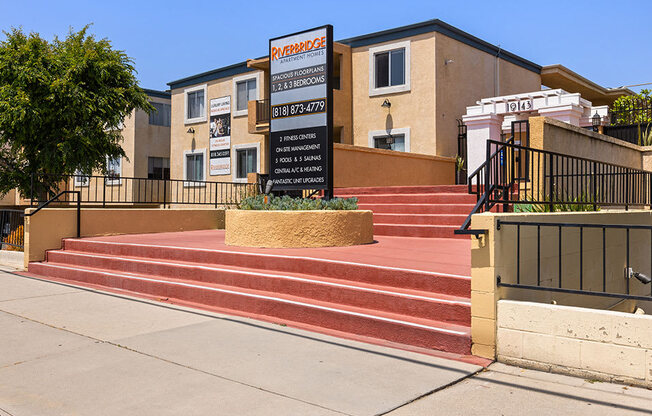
287	203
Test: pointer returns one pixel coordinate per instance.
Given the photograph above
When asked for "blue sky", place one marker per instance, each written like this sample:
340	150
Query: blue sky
605	41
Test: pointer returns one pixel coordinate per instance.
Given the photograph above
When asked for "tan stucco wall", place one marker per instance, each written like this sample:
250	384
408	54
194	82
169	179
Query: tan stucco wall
588	343
470	77
557	136
342	97
45	229
495	255
413	109
182	141
140	140
149	141
9	199
439	93
321	228
361	166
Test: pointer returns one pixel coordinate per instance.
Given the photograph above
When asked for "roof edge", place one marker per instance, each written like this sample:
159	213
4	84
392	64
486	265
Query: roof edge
157	93
235	69
439	26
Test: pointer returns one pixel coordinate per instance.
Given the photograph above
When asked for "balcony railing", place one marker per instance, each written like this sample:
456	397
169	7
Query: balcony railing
262	111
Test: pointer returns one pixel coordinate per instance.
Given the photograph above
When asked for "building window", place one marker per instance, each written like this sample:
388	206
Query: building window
395	139
246	162
390	142
161	114
245	159
113	170
389	68
195	103
81	179
193	169
158	168
245	89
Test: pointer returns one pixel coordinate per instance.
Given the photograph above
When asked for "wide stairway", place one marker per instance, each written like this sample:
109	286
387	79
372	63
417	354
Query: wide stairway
388	305
415	211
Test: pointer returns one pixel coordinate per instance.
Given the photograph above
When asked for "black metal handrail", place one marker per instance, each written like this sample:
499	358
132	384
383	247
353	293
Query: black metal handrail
55	198
562	282
114	190
520	178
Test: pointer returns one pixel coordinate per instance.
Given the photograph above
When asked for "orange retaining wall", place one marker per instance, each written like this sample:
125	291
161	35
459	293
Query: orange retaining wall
355	166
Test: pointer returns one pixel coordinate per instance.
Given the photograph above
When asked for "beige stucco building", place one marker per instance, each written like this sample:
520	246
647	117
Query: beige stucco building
427	73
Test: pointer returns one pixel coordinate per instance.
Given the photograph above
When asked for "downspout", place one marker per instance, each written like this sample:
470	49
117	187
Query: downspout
497	74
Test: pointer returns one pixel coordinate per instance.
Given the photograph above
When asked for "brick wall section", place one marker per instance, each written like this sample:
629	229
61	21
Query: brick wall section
589	343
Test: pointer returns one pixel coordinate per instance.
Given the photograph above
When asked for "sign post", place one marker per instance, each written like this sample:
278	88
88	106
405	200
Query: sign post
301	110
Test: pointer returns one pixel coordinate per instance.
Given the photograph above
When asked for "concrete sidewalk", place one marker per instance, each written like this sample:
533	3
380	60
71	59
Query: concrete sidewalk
66	350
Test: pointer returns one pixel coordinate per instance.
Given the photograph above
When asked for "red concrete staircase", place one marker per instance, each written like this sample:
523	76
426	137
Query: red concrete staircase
415	211
403	307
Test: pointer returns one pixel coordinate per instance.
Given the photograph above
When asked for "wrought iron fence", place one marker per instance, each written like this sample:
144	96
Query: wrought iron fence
520	178
593	277
114	190
12	233
631	121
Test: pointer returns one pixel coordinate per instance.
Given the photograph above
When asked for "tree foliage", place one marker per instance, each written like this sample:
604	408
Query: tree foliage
61	105
633	109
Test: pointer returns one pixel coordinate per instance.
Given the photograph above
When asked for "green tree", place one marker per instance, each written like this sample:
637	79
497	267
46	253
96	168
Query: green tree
61	105
633	109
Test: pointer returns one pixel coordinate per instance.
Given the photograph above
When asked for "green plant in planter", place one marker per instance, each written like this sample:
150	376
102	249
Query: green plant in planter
287	203
582	203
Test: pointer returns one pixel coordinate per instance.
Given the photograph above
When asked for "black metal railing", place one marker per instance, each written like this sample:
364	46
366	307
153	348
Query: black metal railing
523	179
631	112
12	232
262	111
631	121
56	198
602	274
112	190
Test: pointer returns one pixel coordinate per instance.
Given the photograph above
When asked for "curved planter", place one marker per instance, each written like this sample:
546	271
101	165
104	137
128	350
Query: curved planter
322	228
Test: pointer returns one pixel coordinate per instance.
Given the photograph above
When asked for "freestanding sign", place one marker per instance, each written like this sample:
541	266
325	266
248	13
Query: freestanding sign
301	100
220	136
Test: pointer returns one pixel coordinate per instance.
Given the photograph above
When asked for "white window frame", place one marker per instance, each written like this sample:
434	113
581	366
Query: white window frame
373	91
186	182
383	133
234	160
114	182
81	180
201	118
234	108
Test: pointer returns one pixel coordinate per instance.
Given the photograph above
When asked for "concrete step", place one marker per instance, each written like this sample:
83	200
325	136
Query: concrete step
271	306
434	198
461	209
448	282
423	219
412	303
401	189
418	230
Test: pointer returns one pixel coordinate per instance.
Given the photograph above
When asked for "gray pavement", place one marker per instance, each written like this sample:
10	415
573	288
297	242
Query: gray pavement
66	350
71	351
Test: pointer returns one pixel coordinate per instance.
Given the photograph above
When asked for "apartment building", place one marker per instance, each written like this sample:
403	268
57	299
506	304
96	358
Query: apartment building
401	89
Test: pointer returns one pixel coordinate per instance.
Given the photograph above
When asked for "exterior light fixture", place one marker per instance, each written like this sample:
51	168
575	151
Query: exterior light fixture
191	130
596	120
448	61
386	103
389	139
